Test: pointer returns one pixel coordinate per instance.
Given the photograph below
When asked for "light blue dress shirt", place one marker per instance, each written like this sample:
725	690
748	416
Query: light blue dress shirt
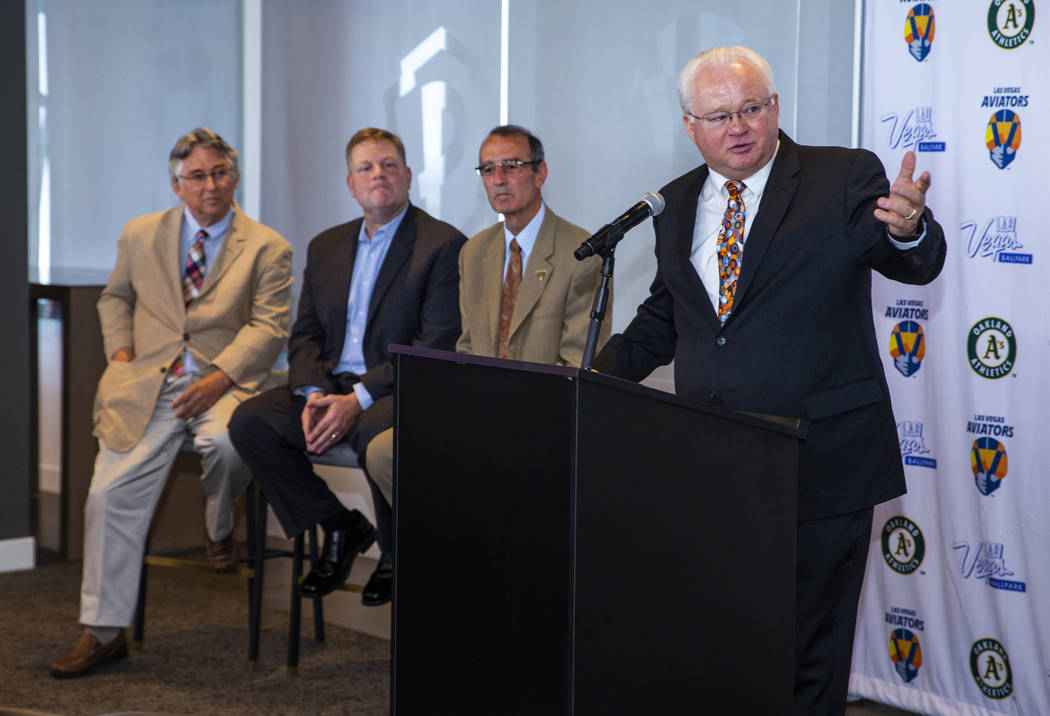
367	263
188	237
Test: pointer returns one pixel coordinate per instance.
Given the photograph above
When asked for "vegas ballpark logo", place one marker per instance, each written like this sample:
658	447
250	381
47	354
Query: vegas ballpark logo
991	348
990	667
903	546
995	239
907	347
1002	136
918	31
988	464
1009	22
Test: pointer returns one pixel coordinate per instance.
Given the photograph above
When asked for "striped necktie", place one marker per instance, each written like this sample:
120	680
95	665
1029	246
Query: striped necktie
192	279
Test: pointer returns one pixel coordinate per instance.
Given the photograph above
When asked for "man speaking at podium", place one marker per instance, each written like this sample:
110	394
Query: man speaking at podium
762	297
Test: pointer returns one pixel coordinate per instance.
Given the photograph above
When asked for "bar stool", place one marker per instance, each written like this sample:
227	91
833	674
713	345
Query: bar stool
252	566
340	455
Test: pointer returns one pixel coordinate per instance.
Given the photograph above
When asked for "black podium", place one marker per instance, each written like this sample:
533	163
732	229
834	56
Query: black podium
569	543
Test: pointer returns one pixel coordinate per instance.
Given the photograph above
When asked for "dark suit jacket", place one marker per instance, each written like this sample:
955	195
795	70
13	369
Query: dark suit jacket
415	301
801	340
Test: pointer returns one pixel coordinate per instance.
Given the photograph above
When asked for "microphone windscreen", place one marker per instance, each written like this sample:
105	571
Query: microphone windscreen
655	202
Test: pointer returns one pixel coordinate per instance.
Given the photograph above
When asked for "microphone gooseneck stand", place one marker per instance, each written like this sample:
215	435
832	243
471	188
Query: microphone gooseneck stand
601	298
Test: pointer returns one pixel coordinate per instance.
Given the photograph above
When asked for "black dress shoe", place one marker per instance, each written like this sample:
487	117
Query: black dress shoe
341	545
377	590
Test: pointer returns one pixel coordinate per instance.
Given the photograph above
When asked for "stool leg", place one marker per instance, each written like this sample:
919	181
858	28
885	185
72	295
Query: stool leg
257	554
295	607
318	601
139	626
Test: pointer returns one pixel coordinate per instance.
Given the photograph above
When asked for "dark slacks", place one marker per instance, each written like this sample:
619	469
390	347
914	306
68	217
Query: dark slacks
267	431
829	574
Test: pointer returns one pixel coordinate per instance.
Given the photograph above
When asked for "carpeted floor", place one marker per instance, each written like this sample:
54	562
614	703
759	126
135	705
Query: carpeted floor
194	659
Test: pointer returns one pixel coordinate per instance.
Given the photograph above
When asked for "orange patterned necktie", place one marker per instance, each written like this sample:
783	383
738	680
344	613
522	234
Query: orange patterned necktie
192	280
510	295
730	249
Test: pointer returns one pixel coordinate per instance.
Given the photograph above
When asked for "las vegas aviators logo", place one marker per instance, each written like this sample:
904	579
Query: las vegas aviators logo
988	463
1010	22
1003	137
907	347
918	31
905	653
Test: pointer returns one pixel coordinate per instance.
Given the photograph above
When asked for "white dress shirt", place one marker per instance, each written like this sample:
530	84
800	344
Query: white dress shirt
710	209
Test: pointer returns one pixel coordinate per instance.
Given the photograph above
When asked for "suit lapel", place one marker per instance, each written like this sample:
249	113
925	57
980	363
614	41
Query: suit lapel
780	189
338	269
679	224
492	259
166	248
396	256
231	247
535	276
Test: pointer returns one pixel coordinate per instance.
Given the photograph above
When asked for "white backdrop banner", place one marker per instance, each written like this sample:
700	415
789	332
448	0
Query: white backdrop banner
955	614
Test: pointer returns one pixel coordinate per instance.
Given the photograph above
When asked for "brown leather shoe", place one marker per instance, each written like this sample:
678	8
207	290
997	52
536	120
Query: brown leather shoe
222	555
88	655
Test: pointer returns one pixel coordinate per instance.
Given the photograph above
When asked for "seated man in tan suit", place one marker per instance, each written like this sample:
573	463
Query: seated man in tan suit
522	293
193	317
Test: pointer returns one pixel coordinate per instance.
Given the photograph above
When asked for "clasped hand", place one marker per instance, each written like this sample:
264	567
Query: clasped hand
326	418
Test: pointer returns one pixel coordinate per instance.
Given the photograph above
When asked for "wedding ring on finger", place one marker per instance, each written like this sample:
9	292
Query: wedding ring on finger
914	211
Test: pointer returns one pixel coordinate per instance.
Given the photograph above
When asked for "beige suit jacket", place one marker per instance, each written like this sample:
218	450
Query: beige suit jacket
238	323
552	311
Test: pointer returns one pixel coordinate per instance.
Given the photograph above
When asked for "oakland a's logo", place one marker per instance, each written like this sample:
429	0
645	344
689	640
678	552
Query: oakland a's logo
1010	22
990	667
908	347
1003	137
991	348
905	653
988	462
903	545
918	31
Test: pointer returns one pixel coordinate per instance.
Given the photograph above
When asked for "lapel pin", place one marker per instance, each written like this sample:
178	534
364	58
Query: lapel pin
541	274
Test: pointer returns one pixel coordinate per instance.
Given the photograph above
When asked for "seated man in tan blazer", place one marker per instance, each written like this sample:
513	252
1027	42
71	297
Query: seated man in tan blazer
193	317
522	293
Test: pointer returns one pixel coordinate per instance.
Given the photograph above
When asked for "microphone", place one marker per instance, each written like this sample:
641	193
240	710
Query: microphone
608	236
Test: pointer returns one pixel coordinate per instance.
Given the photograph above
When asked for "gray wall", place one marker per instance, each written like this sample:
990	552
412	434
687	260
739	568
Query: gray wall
125	78
595	79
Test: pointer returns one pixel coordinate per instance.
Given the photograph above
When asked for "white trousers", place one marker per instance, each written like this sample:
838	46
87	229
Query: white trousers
124	492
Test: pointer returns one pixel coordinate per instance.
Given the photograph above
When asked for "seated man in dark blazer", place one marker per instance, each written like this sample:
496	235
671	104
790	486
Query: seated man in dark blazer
762	297
390	277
